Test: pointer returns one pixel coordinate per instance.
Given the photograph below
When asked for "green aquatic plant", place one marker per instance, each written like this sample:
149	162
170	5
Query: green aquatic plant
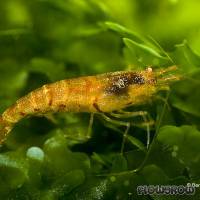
43	41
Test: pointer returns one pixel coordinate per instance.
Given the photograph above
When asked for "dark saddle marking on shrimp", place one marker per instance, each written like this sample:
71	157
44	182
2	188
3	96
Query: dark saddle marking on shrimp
120	83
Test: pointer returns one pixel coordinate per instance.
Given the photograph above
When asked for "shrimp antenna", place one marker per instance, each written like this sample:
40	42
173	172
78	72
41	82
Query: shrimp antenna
166	70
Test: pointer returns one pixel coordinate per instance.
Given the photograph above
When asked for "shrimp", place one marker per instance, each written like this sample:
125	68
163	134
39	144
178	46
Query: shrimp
102	93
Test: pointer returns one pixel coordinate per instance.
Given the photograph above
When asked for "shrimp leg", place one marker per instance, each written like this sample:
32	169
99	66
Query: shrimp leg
148	130
124	137
143	114
119	123
128	114
89	131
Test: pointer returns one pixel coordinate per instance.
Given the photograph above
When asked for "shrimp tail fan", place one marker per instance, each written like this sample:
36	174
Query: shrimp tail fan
5	128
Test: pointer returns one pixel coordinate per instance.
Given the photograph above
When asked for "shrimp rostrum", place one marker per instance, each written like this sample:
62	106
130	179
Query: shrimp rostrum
102	93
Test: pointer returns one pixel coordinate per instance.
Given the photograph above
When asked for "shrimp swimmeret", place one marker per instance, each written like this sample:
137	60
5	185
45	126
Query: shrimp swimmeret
102	93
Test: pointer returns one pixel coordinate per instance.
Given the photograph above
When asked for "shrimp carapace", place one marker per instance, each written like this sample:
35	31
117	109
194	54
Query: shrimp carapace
101	93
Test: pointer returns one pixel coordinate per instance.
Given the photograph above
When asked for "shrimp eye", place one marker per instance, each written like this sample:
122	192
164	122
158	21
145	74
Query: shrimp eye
149	69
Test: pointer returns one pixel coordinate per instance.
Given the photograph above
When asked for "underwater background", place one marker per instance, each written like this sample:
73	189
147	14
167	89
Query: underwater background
43	41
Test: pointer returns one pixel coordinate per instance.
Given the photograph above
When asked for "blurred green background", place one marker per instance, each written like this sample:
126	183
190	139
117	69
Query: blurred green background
42	41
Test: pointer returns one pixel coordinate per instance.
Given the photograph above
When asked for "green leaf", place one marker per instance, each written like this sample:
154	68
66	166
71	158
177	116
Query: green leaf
132	45
54	71
135	158
137	143
13	79
98	158
94	189
122	31
64	185
60	159
154	175
184	144
119	164
162	158
183	96
192	57
13	172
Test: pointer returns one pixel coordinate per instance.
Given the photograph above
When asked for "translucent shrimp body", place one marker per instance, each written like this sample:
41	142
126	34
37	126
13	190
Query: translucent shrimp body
93	94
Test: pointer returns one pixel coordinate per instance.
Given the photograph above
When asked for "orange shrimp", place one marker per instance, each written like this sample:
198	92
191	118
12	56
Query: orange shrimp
102	93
